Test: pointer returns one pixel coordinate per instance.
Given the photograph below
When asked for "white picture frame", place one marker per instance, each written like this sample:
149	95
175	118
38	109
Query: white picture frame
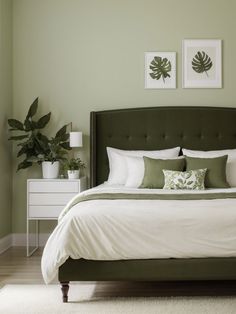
164	76
202	63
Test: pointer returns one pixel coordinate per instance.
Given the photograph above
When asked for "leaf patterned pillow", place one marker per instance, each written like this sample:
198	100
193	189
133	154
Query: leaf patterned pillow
189	180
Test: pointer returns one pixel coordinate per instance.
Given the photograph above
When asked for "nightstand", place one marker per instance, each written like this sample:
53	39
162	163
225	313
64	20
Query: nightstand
45	200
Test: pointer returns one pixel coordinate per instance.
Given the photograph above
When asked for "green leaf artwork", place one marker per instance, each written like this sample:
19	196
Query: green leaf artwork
201	62
160	68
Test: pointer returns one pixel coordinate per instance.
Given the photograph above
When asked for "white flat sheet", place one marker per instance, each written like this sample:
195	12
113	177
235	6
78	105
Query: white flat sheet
142	229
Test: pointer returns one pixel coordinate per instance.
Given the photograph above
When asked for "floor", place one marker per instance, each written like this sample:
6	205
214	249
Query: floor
16	268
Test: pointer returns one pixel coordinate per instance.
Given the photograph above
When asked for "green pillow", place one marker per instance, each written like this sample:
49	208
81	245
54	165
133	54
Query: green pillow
153	171
216	170
188	180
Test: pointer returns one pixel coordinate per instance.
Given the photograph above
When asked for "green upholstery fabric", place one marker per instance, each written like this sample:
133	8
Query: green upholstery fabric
216	170
151	270
153	173
199	128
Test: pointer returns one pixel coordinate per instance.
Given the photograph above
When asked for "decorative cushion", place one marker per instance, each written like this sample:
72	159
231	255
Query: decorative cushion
153	171
231	161
117	162
135	171
216	170
189	180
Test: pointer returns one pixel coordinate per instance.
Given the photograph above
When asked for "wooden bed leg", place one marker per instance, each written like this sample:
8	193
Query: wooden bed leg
65	289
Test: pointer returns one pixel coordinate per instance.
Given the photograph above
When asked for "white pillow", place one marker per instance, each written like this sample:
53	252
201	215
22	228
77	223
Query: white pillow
117	162
135	170
231	162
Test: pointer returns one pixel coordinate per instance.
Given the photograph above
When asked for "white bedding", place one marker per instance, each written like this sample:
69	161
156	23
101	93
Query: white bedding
142	229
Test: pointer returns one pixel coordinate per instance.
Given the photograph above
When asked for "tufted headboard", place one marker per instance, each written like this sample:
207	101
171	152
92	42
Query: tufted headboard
201	128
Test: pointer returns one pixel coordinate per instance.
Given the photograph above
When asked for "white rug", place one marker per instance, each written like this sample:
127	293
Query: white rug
32	299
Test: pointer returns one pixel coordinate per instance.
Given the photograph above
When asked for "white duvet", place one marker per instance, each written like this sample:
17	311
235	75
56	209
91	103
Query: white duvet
142	229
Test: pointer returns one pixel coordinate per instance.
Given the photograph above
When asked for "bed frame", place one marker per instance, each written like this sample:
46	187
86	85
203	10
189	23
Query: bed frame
200	128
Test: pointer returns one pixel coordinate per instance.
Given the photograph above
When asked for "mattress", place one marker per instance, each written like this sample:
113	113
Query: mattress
143	224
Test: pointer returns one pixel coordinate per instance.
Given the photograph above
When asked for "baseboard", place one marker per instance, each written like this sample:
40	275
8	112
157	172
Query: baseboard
19	239
5	243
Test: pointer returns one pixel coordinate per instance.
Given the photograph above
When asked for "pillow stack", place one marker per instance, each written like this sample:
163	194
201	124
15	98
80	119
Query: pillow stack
127	166
165	168
230	165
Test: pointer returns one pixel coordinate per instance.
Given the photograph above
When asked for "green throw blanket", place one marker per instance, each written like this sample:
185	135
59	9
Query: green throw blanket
142	196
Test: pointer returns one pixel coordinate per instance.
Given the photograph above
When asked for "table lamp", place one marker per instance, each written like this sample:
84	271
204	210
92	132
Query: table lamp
76	139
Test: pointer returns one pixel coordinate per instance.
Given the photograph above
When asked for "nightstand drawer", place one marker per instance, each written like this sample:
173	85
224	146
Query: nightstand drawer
54	186
50	198
45	211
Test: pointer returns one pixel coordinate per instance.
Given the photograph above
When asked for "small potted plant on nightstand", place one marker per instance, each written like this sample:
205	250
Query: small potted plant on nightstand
73	167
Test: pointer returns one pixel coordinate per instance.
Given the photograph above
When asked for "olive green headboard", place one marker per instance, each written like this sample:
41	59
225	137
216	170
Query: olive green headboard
202	128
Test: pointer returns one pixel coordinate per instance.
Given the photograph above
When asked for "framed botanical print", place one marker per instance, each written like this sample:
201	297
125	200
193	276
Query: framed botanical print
202	63
160	70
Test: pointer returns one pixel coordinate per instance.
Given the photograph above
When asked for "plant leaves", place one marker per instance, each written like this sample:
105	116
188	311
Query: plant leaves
65	145
63	138
27	125
24	164
62	131
41	143
22	151
160	68
201	62
43	121
32	109
33	125
17	137
15	124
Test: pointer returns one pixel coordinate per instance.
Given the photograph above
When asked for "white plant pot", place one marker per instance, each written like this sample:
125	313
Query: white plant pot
50	170
73	174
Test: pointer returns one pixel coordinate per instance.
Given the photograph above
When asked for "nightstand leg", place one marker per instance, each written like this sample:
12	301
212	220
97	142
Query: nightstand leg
27	238
37	233
28	252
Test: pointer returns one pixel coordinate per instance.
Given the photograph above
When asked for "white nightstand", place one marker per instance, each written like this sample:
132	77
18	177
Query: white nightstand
46	198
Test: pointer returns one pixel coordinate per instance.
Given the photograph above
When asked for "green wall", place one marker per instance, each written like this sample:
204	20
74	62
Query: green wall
5	111
83	55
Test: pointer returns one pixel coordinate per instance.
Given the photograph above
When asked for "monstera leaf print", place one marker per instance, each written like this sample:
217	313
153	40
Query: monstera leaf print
160	68
201	62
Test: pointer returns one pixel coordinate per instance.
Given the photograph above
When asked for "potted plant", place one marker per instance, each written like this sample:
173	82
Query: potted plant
37	147
54	151
73	167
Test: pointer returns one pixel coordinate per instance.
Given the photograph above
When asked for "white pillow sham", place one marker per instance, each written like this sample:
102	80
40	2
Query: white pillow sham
136	169
231	162
117	162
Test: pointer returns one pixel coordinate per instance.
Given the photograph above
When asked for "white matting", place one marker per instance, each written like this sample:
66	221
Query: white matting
32	299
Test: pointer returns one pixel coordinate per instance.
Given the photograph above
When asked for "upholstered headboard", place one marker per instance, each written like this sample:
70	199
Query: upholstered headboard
202	128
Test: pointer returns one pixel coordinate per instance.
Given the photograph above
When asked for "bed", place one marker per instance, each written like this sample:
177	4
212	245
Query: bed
199	128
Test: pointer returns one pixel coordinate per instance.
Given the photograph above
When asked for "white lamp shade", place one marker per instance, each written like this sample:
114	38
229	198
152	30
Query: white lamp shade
76	139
